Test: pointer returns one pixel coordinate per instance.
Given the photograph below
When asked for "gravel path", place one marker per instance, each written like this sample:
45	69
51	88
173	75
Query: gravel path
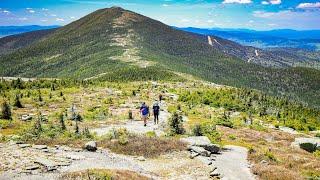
232	164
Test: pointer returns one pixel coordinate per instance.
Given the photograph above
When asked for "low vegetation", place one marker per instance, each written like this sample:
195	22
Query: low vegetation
64	112
149	147
103	174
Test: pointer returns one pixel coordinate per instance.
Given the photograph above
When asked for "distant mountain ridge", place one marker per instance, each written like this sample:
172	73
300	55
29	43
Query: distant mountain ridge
117	45
284	38
11	30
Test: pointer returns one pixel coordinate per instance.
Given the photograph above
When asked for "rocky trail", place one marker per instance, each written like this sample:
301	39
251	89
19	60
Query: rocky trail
136	126
203	160
232	163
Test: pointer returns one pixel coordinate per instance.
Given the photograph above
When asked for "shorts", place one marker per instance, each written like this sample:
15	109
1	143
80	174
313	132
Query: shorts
144	116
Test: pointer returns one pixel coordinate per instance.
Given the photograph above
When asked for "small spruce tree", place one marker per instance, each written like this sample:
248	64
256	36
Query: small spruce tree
6	111
17	102
63	126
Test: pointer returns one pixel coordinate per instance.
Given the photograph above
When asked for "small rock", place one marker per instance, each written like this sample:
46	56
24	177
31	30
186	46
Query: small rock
214	168
213	148
141	158
74	157
40	147
63	163
199	150
263	162
45	150
91	146
24	145
215	173
32	167
26	117
193	155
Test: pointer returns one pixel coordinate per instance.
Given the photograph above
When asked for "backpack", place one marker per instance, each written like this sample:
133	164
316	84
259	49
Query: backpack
145	111
156	109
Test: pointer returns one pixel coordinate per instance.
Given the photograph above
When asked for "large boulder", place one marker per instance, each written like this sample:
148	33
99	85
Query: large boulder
197	140
308	144
202	141
91	146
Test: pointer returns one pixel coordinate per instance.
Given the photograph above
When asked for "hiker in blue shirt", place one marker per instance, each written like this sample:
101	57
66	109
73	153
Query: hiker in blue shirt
156	111
144	111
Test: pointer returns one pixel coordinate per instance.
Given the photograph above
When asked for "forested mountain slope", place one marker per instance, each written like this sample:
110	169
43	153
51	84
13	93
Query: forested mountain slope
117	44
14	42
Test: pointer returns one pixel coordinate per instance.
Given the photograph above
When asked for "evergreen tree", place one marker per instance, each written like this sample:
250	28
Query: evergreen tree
38	125
176	125
6	111
39	96
17	102
63	126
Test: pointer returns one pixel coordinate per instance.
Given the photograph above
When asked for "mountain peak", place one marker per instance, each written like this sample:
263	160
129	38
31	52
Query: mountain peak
117	8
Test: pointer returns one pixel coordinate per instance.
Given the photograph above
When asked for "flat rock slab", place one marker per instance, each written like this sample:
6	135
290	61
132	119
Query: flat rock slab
309	144
202	141
40	147
24	145
197	140
232	164
32	167
48	164
288	130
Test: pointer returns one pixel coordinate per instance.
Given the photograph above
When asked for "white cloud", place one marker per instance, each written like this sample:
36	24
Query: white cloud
60	19
165	5
45	9
237	2
309	5
31	11
43	20
271	2
263	14
275	1
53	15
6	11
72	17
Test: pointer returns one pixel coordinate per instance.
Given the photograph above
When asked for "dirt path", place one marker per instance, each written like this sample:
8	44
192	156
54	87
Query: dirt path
137	127
232	164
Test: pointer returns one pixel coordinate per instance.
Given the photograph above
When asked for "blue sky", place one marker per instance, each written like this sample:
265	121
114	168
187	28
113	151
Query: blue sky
251	14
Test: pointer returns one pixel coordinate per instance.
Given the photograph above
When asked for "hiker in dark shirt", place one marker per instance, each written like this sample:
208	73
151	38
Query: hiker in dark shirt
160	97
144	111
156	111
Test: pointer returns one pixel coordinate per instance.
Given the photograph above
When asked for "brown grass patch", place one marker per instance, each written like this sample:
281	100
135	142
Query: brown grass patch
103	174
281	160
148	147
76	143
